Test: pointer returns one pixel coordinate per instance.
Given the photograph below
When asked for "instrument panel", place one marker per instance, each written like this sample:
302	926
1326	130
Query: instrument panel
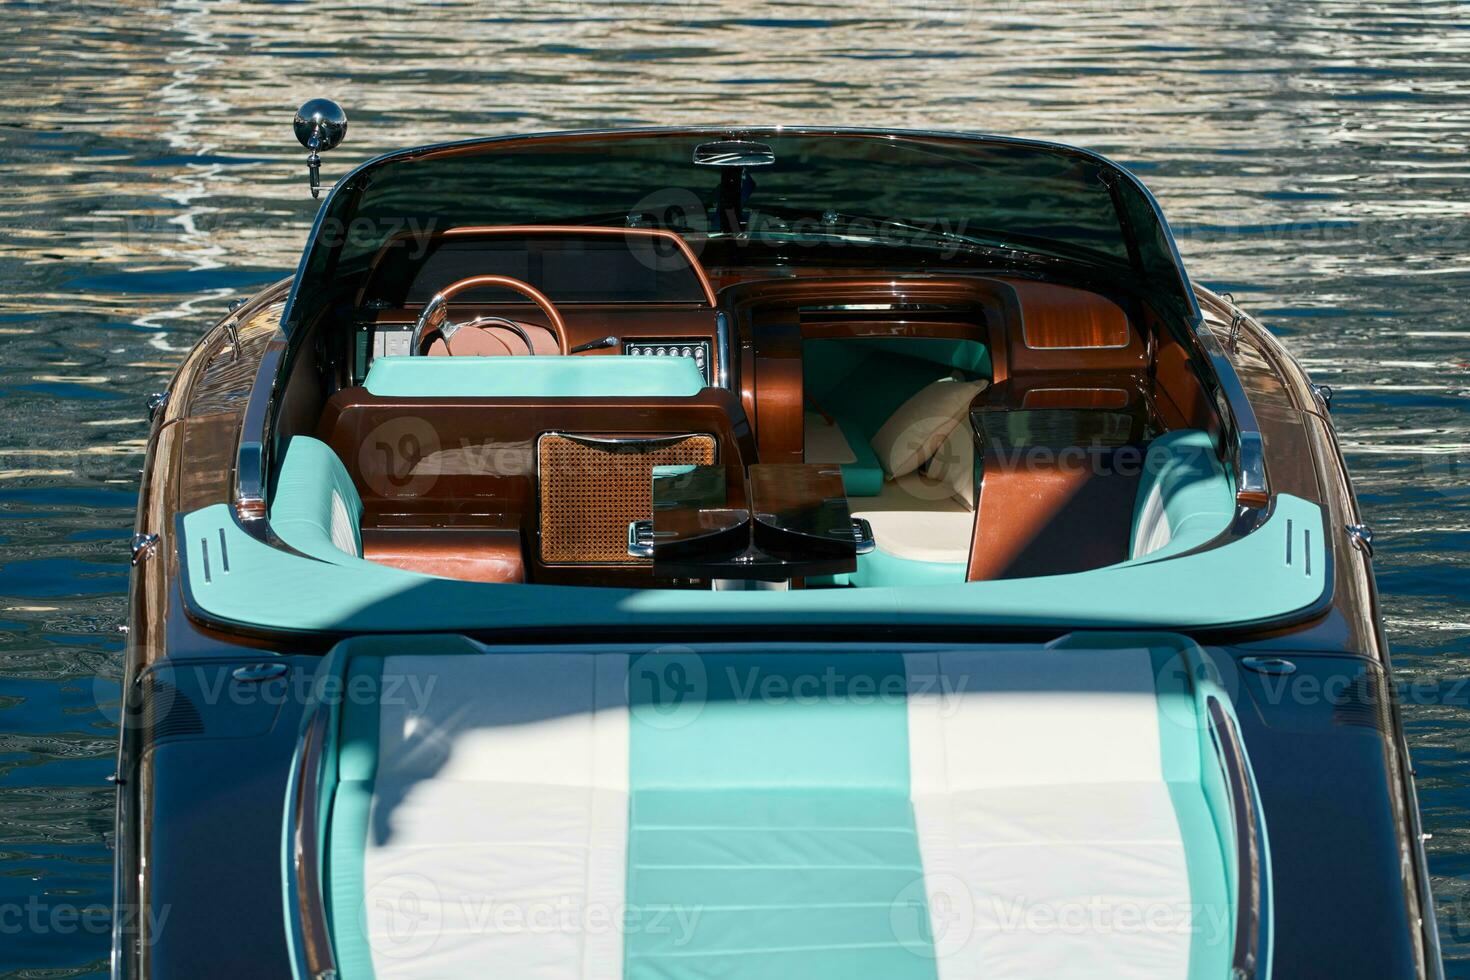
695	347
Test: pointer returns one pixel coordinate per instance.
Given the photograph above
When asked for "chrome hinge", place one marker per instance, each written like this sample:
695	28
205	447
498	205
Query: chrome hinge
235	304
1362	536
232	335
144	546
156	403
1236	322
1324	395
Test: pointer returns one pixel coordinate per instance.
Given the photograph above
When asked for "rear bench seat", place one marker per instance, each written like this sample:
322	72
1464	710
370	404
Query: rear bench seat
852	386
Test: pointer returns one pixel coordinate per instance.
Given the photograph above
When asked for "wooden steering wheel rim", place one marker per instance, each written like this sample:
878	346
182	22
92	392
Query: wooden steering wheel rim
440	305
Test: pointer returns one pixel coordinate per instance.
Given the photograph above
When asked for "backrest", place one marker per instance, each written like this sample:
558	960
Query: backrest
403	376
315	508
1185	497
430	453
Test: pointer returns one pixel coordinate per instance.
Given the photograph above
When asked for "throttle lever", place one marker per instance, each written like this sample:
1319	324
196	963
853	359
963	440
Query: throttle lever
598	344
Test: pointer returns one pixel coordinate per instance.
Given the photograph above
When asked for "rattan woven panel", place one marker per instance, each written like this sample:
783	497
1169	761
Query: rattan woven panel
590	490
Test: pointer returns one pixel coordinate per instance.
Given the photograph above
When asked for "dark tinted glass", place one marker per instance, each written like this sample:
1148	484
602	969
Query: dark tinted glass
1013	194
569	270
1034	197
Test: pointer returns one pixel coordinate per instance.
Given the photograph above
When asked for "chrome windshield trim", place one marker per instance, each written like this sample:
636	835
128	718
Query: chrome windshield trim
722	349
252	457
1243	440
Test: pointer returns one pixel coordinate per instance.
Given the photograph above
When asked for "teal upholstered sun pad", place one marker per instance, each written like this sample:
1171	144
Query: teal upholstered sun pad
605	376
814	812
232	578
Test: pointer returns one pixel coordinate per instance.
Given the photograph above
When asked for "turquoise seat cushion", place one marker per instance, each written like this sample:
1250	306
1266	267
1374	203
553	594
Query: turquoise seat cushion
553	376
315	508
357	765
786	821
864	476
1185	497
860	382
878	569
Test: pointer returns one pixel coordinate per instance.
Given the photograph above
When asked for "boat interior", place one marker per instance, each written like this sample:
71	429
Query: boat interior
583	405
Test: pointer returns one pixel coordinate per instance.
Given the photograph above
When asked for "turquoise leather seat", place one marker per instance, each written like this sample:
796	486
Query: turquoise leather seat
862	381
315	508
626	376
1185	497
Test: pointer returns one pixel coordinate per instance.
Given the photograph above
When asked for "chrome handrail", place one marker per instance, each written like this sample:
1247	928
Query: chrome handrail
309	935
1245	808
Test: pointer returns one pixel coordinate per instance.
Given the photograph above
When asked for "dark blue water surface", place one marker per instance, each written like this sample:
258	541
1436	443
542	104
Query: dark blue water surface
1314	157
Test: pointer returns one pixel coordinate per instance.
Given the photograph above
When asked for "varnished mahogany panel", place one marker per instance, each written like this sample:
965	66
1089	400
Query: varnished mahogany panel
1060	317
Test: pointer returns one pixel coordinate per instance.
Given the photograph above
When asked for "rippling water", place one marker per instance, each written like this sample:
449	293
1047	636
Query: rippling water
1312	156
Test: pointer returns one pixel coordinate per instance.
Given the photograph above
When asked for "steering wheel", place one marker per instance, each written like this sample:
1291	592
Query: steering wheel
435	317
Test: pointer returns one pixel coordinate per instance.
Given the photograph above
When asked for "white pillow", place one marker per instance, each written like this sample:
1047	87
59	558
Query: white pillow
916	431
954	464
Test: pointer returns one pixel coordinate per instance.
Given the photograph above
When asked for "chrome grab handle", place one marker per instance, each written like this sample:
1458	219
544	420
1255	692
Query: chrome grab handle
862	536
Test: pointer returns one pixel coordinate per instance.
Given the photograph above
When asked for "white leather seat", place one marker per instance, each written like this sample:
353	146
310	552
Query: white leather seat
918	519
825	442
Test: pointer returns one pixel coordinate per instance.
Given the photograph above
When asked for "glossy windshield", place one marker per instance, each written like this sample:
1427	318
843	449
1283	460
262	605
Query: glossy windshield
909	190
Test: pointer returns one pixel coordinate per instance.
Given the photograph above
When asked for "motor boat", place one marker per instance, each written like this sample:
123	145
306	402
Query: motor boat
753	553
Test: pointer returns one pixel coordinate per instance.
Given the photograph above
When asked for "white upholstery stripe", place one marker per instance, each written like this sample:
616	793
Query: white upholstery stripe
1050	844
1153	531
500	818
344	534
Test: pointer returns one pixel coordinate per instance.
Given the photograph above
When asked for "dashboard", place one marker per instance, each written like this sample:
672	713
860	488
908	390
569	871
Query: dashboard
621	291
